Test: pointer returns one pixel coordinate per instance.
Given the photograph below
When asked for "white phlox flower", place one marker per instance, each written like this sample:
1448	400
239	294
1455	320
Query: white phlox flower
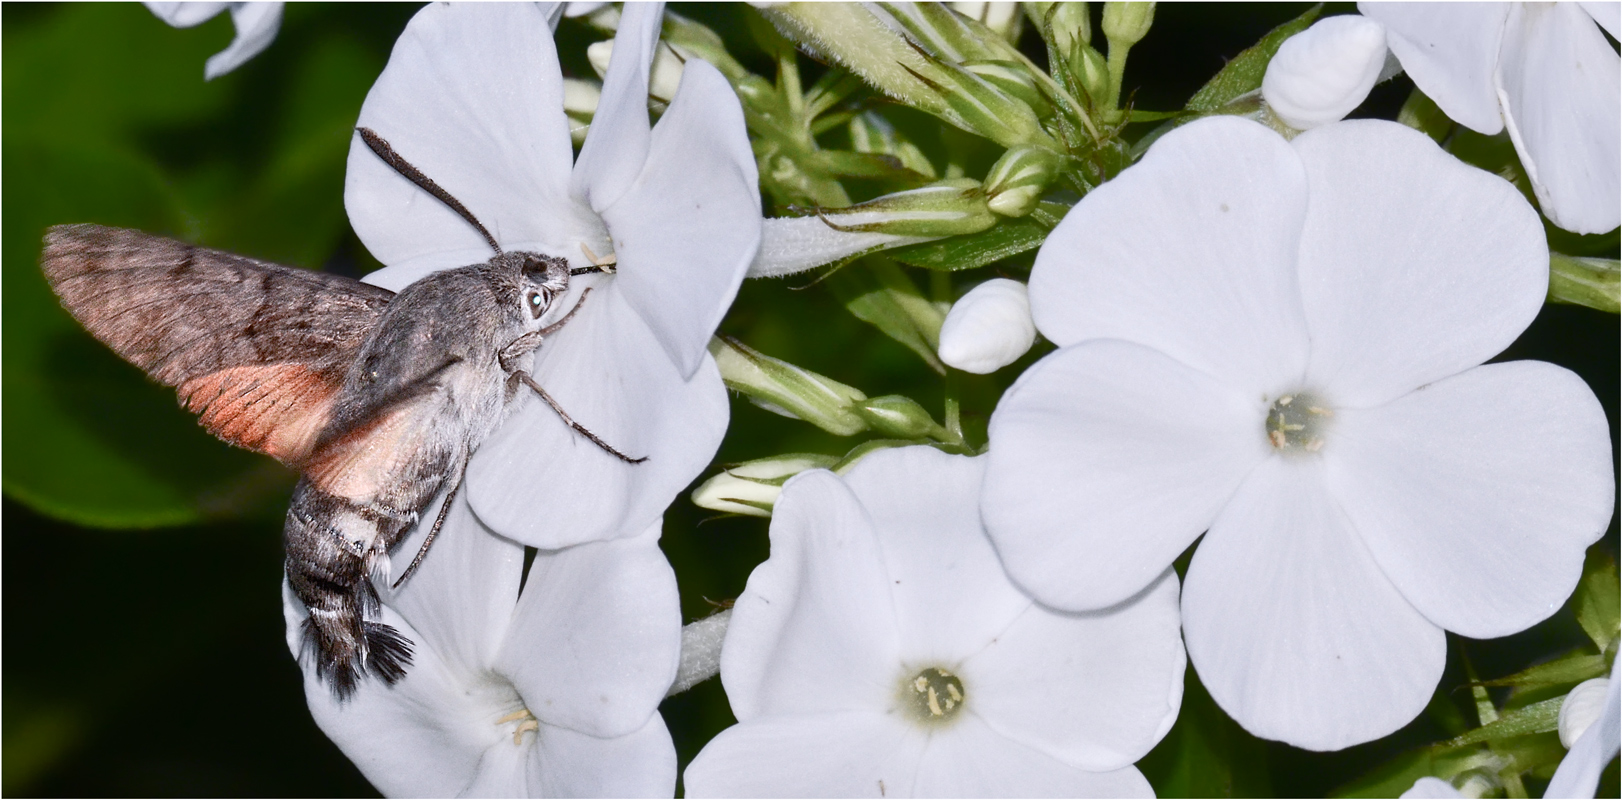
988	328
1276	343
256	23
882	651
549	692
1597	743
1321	74
473	97
1542	70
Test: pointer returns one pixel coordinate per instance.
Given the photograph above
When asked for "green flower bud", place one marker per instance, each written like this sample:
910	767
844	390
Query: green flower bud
782	388
1018	179
899	417
1013	79
1068	23
946	208
1127	23
751	488
1092	72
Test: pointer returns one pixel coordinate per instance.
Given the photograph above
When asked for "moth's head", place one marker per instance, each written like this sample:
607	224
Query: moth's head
541	280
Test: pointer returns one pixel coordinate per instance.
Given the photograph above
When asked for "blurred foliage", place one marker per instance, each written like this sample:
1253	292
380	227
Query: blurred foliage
143	629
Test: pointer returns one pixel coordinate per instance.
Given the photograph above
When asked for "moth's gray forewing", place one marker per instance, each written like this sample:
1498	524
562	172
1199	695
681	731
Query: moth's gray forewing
256	349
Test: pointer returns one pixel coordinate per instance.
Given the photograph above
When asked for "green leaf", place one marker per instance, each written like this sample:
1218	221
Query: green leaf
1396	776
1599	609
1574	668
880	294
1007	238
1538	717
1206	754
1244	73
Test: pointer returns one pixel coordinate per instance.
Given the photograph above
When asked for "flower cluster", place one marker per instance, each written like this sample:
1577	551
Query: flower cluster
1254	420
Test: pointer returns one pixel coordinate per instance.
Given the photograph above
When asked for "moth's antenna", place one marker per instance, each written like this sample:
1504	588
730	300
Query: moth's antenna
381	147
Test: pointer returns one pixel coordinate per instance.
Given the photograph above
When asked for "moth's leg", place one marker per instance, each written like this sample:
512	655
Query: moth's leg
439	522
548	330
581	429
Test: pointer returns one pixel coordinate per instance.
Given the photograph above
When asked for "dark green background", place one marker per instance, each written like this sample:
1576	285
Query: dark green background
143	639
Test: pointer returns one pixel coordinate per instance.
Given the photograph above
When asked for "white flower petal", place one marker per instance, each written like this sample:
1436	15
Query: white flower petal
570	764
1414	266
1191	252
461	598
796	244
1094	690
257	24
1479	494
988	328
1578	773
687	228
596	636
1607	14
949	591
539	482
185	15
617	146
1293	627
814	630
846	754
1581	709
472	96
426	736
1451	52
1321	74
1107	459
1428	788
969	759
1562	99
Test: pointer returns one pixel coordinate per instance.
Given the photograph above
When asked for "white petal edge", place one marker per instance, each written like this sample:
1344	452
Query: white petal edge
1292	626
595	639
1192	252
1414	266
1607	14
1451	52
970	759
1107	459
1479	494
988	328
814	630
1562	96
846	754
686	230
257	24
616	148
539	482
473	97
1095	690
1429	788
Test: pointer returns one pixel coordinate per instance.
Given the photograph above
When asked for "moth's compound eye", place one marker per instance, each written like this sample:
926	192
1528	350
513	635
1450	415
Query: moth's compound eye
537	300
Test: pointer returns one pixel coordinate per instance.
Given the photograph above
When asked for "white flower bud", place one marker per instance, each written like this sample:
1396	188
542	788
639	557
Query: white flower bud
662	81
751	488
989	328
1320	74
1581	708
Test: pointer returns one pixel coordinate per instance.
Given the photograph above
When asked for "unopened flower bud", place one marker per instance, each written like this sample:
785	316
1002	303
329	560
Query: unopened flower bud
1014	80
1092	70
989	328
751	488
1018	179
1127	23
1002	18
1320	74
580	99
1069	23
945	208
899	417
782	388
1581	708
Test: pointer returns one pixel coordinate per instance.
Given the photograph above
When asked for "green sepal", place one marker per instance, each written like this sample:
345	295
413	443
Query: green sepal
1244	73
1571	669
1592	282
1008	238
1540	717
898	417
1599	609
882	295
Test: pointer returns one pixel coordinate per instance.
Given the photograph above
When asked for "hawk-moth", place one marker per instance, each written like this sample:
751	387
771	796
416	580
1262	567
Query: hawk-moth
377	398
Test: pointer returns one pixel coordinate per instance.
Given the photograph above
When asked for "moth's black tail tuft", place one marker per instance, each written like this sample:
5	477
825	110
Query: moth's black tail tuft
342	661
387	652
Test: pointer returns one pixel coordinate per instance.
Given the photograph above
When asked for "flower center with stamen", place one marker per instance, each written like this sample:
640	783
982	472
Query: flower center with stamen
526	723
1296	423
932	695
